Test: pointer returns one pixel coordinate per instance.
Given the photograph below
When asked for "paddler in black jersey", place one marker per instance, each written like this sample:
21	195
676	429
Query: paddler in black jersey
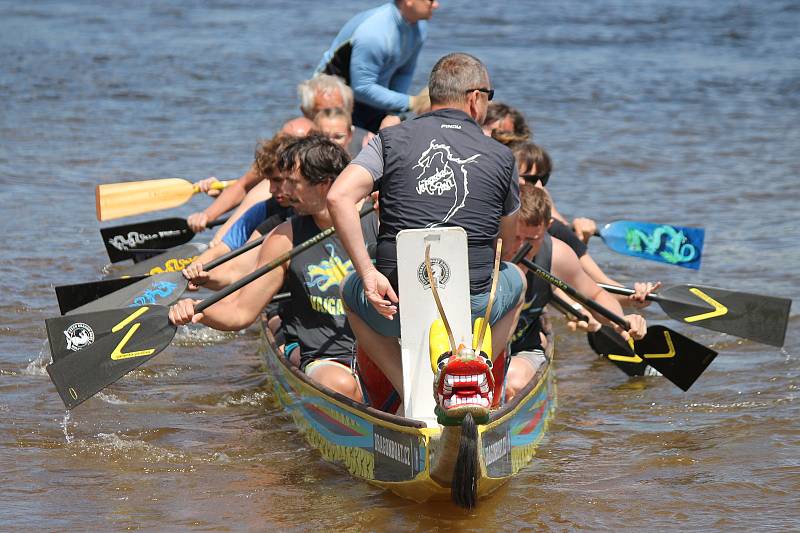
437	169
316	323
557	257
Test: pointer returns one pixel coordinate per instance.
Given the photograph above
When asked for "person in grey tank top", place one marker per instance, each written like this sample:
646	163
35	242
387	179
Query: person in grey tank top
437	169
310	166
535	217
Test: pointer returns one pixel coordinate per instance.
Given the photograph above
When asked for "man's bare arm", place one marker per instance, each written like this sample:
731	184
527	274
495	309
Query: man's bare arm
227	200
241	309
508	232
352	185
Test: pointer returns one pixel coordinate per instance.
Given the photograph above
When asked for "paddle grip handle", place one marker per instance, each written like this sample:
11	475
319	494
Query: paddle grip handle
625	291
300	248
217	185
218	222
550	278
522	252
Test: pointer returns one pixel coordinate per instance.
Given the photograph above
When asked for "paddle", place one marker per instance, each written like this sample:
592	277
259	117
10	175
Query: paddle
162	289
116	200
673	245
121	241
612	338
143	254
751	316
678	358
93	350
173	260
73	296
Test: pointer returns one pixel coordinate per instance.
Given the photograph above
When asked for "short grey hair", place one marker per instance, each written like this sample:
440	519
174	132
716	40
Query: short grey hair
323	82
455	74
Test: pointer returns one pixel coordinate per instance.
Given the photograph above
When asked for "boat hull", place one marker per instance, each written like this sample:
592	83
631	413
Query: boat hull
403	455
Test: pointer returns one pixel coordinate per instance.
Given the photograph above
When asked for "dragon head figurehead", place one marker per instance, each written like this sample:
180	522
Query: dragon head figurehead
463	381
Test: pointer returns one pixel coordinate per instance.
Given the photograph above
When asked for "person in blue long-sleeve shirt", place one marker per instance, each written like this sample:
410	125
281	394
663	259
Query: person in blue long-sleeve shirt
376	53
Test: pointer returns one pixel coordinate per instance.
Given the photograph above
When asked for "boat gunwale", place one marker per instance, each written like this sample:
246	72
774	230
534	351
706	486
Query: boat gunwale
368	410
496	416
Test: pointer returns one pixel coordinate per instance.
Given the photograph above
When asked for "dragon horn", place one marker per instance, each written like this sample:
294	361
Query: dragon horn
435	290
491	292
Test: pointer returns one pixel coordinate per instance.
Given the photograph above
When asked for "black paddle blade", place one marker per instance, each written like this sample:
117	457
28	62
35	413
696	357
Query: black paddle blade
161	289
680	359
752	316
93	350
143	254
73	296
173	260
164	233
610	345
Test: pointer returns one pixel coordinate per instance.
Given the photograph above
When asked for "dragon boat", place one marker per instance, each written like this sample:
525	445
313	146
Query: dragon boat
457	438
405	455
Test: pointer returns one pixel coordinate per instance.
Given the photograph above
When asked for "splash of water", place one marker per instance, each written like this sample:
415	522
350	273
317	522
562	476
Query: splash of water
65	426
36	367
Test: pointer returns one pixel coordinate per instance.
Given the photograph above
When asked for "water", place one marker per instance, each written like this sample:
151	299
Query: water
682	112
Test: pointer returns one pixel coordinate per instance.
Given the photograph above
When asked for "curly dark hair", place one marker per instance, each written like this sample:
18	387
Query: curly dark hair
266	159
317	158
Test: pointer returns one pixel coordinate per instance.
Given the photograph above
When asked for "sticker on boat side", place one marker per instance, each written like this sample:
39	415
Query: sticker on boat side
79	336
440	269
497	451
396	455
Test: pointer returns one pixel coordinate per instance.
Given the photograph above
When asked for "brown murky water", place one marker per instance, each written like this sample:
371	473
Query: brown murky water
680	112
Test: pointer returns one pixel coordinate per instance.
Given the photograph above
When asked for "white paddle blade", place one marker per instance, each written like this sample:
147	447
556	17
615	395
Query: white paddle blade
450	267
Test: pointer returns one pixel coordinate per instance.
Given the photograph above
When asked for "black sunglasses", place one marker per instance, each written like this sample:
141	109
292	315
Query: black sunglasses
489	92
533	178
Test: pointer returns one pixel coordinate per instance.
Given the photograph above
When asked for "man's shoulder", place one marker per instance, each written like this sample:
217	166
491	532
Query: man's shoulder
373	24
496	146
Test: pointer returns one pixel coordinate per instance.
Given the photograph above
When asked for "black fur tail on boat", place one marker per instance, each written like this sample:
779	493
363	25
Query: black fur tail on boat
464	487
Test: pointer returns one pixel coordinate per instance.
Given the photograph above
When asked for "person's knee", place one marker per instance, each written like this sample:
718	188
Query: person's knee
344	290
514	384
523	284
518	376
338	380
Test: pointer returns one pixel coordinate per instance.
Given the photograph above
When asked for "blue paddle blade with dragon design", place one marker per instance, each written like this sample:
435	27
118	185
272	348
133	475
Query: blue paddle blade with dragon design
674	245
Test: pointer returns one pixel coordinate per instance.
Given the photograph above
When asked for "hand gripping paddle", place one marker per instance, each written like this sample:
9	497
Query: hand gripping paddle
93	350
678	358
751	316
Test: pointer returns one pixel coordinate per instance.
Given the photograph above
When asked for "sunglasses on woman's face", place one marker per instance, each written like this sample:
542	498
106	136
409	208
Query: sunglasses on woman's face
533	178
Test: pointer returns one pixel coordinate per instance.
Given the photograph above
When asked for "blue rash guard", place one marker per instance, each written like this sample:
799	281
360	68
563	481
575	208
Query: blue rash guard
240	232
376	53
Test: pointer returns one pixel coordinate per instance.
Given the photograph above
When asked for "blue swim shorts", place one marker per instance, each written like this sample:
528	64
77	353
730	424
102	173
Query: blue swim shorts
509	291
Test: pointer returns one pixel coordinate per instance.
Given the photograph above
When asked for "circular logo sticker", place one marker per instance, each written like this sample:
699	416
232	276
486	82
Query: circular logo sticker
440	270
79	335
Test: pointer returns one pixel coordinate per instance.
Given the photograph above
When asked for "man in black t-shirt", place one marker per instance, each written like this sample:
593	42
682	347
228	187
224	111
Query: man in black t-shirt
437	169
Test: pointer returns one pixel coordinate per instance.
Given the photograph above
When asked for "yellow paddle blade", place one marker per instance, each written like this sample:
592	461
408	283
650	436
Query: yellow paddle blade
487	338
438	341
116	200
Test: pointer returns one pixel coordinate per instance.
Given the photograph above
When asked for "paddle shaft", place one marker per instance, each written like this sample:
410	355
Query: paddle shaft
300	248
565	307
234	253
625	291
553	280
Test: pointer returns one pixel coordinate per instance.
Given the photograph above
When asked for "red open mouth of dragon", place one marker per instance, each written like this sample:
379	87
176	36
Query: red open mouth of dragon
465	384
